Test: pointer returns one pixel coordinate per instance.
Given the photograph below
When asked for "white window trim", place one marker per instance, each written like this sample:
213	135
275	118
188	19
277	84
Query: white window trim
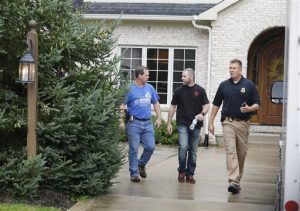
170	65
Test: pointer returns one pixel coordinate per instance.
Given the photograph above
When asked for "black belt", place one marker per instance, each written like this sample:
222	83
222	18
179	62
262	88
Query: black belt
238	118
140	119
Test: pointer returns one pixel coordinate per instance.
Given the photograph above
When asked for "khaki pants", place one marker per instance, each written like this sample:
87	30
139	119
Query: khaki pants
236	135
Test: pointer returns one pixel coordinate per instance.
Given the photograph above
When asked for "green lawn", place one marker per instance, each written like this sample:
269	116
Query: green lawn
24	207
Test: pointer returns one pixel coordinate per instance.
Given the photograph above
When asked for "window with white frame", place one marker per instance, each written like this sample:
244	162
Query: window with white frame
165	66
131	57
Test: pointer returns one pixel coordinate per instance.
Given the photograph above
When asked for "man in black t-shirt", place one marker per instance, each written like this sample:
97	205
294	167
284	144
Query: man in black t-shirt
240	99
190	103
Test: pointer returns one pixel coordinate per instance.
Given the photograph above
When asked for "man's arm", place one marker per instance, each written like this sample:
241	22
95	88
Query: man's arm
171	112
156	107
205	108
213	114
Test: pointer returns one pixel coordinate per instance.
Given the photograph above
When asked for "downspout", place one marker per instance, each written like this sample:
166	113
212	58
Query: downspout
208	72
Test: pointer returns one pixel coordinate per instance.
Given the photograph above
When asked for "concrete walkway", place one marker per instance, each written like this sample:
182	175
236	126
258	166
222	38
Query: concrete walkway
161	191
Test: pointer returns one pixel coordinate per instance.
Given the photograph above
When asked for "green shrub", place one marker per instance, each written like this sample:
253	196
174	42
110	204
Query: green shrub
161	134
79	91
21	177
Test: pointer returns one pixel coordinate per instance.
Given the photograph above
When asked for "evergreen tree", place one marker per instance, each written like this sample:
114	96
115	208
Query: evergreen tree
79	93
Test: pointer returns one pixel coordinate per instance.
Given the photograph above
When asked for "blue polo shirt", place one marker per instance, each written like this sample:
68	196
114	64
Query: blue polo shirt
233	95
139	100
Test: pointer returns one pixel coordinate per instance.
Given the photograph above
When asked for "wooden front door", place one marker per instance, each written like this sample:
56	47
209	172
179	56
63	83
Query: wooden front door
266	56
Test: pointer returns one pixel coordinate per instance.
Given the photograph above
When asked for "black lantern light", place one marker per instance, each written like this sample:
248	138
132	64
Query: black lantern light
27	69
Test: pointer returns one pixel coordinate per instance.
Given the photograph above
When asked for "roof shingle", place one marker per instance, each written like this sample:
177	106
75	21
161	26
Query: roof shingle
148	9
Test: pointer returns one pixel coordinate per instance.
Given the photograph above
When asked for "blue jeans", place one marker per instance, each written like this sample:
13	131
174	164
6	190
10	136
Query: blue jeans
187	151
139	132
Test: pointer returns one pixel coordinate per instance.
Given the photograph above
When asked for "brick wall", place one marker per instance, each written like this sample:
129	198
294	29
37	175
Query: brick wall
232	34
235	30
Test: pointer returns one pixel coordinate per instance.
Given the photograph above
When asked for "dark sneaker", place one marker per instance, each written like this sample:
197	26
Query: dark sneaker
135	179
142	170
190	179
181	177
234	188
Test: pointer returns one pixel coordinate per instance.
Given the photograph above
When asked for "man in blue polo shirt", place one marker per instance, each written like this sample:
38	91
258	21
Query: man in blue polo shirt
138	125
240	99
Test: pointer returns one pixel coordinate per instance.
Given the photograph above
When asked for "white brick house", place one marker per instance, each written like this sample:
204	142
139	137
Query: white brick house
168	35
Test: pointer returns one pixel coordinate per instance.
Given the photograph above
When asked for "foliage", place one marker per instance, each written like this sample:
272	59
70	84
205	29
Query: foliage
19	176
161	134
276	69
79	89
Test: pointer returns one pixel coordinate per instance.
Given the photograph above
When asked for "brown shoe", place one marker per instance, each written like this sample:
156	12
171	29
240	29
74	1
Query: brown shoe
135	179
181	177
142	170
190	179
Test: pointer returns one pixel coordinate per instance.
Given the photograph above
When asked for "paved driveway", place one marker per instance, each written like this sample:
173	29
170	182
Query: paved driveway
161	191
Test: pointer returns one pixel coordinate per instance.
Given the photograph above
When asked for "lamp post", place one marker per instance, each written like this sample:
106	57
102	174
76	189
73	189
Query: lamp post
28	73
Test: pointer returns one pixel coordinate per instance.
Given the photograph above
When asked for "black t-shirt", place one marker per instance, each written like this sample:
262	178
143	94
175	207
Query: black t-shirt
233	95
189	102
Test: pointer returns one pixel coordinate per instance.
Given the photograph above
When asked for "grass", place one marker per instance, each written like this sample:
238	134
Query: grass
24	207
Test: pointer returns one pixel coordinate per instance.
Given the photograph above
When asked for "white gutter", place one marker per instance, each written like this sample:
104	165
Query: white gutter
208	70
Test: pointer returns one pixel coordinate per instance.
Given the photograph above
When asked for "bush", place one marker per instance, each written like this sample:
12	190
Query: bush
161	134
21	177
79	89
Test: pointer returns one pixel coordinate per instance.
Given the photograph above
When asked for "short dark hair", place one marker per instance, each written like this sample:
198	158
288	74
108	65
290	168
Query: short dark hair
191	72
139	70
237	61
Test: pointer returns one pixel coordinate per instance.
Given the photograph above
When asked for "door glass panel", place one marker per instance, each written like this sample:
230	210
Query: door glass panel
130	58
151	53
158	63
179	54
178	65
190	64
190	54
162	76
183	58
152	75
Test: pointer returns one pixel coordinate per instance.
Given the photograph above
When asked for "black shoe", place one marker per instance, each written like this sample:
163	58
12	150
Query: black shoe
135	179
234	188
142	170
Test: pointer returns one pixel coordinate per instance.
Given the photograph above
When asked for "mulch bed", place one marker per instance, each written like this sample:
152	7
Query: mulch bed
45	198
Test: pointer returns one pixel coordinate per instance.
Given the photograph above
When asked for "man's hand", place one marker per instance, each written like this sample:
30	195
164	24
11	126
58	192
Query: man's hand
211	128
245	108
200	117
157	122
